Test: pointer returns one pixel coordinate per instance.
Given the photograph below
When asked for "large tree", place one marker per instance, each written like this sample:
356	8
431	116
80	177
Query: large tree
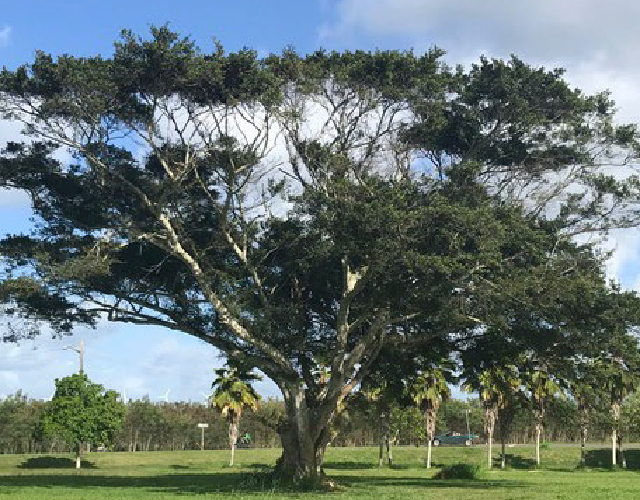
298	213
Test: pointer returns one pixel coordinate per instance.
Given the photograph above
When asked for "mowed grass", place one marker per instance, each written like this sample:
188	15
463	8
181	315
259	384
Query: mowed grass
161	475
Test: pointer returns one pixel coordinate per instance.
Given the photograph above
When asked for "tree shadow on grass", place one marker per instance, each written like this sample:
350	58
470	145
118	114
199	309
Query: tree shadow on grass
54	463
348	465
239	482
515	462
404	481
601	458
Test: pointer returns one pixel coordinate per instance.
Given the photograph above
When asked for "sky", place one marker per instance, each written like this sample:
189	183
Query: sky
595	41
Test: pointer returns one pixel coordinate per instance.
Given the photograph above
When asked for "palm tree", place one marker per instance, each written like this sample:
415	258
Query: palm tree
430	389
542	387
232	393
620	382
379	397
498	388
585	396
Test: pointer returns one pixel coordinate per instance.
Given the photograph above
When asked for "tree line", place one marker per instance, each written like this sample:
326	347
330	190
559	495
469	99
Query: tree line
151	426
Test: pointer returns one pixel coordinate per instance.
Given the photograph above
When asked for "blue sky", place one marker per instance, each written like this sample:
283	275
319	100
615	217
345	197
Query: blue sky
595	42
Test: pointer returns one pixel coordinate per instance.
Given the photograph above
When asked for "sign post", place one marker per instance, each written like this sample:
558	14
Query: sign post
202	428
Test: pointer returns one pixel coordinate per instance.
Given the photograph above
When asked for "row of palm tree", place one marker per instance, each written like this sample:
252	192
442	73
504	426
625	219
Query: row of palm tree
501	389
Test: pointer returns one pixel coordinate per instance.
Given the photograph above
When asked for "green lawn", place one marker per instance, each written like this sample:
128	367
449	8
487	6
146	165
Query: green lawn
174	475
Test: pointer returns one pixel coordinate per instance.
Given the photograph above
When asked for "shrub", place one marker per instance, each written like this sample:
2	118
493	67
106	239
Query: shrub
458	471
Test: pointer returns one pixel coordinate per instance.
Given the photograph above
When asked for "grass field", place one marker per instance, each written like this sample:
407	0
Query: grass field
161	475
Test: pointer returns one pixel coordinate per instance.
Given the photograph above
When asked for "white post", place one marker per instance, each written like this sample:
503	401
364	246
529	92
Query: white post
202	428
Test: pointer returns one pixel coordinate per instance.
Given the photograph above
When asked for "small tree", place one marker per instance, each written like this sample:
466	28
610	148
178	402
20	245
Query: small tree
377	398
585	385
542	388
499	390
232	394
82	412
431	389
619	384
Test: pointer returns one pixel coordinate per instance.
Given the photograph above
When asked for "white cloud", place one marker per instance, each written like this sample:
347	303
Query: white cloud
14	198
596	43
5	35
11	131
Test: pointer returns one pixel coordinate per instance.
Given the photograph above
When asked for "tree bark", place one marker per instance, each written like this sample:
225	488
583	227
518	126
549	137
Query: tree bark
429	452
78	455
623	460
503	456
298	461
233	438
303	445
583	444
490	451
615	411
538	432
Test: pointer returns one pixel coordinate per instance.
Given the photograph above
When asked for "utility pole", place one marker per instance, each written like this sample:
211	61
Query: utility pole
80	351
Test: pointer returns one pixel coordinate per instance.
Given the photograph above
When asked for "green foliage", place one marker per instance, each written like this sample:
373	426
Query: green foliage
20	430
407	424
82	412
233	392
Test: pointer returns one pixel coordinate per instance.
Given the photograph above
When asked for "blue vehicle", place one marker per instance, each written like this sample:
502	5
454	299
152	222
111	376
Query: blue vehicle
454	438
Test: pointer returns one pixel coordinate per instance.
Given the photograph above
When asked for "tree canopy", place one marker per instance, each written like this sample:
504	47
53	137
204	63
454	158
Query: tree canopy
82	412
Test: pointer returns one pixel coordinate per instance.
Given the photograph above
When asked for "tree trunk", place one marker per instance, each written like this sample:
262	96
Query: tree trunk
302	452
503	456
538	432
233	438
615	411
429	453
78	455
583	445
381	452
490	451
623	460
299	460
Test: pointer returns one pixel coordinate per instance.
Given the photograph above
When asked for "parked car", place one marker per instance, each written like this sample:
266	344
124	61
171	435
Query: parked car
454	438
